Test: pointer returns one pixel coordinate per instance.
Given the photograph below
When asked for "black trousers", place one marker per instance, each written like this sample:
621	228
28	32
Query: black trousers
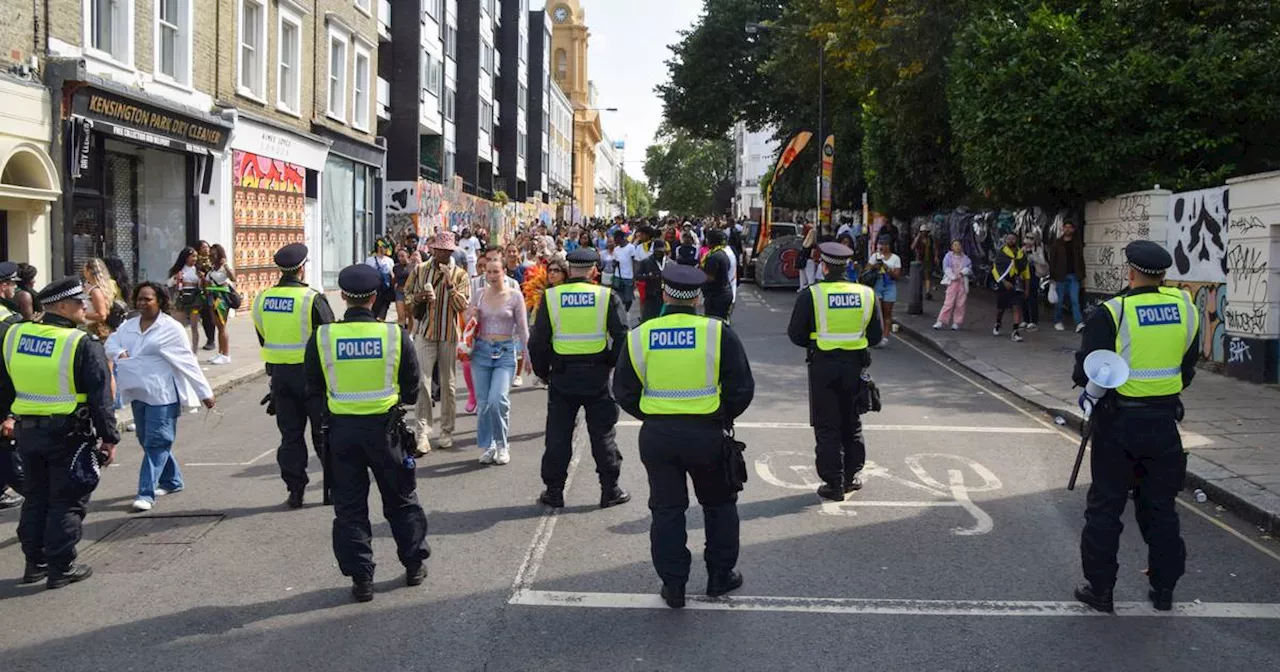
835	380
10	466
672	450
650	308
49	525
294	409
602	418
358	446
719	306
1139	449
1031	303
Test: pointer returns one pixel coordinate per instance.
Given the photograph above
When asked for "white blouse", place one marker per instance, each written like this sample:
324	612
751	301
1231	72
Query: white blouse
160	368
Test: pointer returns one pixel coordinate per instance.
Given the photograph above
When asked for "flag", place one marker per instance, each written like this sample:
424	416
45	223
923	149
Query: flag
793	148
828	165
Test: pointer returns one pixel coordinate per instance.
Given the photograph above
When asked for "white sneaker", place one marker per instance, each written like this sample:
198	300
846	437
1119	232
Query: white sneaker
996	330
1032	326
1057	326
141	505
503	456
161	492
955	327
518	381
937	325
1017	338
130	426
1079	327
488	456
219	360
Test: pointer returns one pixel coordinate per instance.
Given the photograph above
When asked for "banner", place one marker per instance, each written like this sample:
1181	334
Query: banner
798	142
828	165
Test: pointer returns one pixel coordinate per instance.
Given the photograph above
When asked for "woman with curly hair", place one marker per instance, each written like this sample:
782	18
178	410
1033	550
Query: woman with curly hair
103	293
186	282
217	290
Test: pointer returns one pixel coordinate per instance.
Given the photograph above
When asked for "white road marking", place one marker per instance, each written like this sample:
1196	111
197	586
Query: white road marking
881	428
533	558
882	607
230	464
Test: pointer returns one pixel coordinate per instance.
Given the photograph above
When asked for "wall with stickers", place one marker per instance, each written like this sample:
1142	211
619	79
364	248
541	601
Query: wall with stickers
425	207
267	213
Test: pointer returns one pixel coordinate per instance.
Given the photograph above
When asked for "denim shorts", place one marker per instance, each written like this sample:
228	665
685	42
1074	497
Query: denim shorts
887	289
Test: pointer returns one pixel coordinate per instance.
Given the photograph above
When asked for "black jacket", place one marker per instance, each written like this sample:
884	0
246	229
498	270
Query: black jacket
1100	334
321	313
803	323
716	266
89	368
651	273
737	386
576	374
407	377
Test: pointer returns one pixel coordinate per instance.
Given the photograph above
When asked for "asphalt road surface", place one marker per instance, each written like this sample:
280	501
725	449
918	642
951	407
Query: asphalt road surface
960	554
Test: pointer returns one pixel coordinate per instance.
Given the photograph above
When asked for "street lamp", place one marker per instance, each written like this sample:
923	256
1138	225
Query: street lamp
573	156
754	28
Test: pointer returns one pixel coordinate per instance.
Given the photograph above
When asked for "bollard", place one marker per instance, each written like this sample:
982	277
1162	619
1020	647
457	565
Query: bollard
915	289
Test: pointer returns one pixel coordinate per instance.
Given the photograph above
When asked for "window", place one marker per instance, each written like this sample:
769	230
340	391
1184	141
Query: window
522	142
486	57
523	97
337	76
449	102
451	43
449	159
364	6
109	28
432	8
360	91
253	43
431	74
486	116
173	40
562	65
289	48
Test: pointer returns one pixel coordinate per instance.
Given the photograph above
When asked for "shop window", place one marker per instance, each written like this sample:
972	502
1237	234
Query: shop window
253	46
360	91
289	57
337	76
173	40
109	28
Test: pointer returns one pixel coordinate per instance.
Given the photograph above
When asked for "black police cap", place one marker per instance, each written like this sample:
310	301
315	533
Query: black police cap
69	287
291	257
8	271
359	281
583	257
1147	257
682	282
836	254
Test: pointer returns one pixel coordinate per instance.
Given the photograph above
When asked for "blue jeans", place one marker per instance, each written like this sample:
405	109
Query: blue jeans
493	365
1068	288
157	426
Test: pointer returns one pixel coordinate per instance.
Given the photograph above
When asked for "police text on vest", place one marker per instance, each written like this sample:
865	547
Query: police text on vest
1165	313
277	304
36	346
844	300
578	300
673	339
359	348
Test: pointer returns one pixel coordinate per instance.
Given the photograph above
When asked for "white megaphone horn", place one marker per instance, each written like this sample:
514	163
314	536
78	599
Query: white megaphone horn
1106	370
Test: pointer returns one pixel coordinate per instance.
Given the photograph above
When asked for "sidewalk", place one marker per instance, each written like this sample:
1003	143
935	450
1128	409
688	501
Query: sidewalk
1232	428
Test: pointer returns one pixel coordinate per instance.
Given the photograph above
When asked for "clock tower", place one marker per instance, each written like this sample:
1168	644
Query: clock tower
569	37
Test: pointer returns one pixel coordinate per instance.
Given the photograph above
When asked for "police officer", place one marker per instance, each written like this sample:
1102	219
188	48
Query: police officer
836	321
574	344
718	291
286	316
363	369
1136	444
687	377
9	312
52	373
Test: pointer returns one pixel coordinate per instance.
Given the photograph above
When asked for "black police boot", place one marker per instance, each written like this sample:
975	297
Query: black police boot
1161	598
673	595
832	492
35	572
362	590
415	574
552	497
853	483
68	575
1100	600
295	499
720	583
613	497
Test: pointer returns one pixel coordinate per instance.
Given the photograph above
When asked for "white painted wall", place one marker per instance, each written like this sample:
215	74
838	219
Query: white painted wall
1111	225
1253	256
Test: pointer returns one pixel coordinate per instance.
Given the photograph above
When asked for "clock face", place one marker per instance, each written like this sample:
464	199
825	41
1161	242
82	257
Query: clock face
561	14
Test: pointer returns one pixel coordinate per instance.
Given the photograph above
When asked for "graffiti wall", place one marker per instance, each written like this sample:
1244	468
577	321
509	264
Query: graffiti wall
1197	235
1211	303
268	212
424	207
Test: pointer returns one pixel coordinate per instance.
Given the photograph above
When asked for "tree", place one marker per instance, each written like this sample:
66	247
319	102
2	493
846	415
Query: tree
639	200
685	171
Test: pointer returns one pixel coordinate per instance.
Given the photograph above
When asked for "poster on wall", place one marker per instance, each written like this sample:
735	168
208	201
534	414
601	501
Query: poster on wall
268	212
1197	235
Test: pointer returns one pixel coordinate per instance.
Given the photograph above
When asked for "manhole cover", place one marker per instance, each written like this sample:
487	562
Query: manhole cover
148	543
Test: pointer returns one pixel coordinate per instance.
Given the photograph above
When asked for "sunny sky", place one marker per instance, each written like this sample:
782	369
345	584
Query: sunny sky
628	49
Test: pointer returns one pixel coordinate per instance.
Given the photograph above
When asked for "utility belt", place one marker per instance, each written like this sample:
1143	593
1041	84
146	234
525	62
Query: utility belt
44	421
1172	405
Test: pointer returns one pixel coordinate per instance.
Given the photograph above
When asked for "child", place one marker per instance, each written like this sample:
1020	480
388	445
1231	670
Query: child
957	268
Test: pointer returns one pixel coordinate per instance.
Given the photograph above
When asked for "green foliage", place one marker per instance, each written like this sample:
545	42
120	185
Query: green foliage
685	171
639	199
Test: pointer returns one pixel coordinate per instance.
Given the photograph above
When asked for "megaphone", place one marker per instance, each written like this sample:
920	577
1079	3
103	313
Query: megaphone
1106	370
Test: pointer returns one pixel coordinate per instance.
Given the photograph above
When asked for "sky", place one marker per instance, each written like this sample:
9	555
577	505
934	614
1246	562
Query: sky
627	55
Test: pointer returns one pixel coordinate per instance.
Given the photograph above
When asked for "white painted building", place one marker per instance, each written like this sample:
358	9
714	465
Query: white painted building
609	164
560	136
755	153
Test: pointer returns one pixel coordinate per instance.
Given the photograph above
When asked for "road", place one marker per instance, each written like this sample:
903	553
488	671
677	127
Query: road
960	554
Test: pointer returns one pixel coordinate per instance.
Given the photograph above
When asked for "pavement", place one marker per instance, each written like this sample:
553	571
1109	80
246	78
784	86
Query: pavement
1231	428
959	554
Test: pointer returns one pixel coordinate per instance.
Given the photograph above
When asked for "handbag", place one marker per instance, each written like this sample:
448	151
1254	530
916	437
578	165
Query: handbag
234	298
468	341
1053	292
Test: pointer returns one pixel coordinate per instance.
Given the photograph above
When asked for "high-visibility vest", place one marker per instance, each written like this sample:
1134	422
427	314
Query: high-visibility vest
283	318
5	313
1153	332
579	313
677	359
842	311
39	360
361	362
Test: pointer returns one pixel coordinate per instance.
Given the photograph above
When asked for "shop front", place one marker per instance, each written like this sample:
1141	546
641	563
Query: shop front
351	203
137	171
28	177
275	187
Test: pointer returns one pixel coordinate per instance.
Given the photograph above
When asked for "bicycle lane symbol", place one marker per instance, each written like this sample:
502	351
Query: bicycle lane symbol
773	468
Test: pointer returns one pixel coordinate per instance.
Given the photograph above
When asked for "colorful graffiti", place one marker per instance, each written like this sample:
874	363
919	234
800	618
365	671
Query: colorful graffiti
441	207
259	172
1211	302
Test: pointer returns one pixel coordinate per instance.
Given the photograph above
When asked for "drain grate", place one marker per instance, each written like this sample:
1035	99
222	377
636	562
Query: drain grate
148	543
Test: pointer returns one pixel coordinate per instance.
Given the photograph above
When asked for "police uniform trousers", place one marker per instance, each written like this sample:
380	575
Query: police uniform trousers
358	445
10	466
835	380
1137	448
294	409
650	308
562	415
49	525
719	305
672	449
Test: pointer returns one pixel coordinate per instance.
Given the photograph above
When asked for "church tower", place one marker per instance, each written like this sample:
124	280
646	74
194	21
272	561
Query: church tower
569	38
